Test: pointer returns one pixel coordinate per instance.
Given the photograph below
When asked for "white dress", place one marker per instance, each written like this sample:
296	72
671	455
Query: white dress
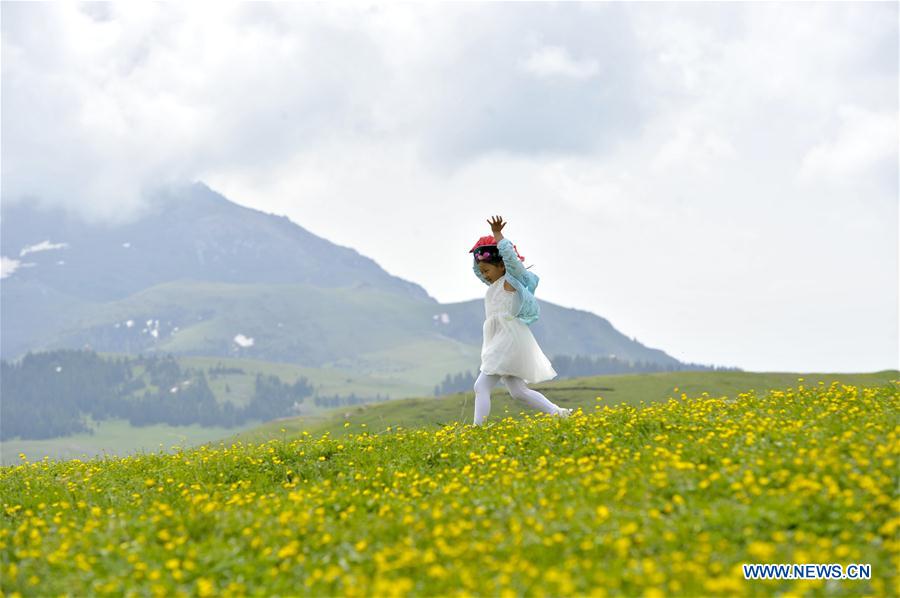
509	347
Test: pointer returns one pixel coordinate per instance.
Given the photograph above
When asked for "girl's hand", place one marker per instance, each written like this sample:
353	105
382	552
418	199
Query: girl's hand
497	225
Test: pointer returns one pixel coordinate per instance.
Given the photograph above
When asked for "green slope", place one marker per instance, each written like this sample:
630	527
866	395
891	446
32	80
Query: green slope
391	342
667	500
117	437
298	323
577	392
357	327
112	437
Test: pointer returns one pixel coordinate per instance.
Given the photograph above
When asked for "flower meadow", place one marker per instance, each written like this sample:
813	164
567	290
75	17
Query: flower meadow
658	499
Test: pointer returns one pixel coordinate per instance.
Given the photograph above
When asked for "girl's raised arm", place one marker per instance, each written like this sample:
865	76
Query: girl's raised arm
507	251
511	260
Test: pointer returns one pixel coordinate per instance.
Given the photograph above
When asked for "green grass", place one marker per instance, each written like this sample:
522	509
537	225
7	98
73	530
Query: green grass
665	499
632	389
405	363
118	437
326	380
113	437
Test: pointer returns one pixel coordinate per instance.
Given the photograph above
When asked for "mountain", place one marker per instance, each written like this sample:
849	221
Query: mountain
197	274
189	232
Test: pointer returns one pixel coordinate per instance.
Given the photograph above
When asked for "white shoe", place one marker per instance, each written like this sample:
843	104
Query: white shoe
563	412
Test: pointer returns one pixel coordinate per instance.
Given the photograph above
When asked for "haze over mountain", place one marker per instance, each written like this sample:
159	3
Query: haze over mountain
197	274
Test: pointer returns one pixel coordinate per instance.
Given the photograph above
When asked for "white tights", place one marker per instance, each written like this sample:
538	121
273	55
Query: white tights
517	390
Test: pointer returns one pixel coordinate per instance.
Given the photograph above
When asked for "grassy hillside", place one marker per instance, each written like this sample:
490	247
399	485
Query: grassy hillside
631	389
117	437
669	499
357	326
327	381
113	437
288	322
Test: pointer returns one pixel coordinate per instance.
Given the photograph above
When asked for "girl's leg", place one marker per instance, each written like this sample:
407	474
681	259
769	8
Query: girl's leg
483	386
531	397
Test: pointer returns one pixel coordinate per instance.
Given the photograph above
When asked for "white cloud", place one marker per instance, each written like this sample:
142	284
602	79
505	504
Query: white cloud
685	148
551	61
864	143
683	155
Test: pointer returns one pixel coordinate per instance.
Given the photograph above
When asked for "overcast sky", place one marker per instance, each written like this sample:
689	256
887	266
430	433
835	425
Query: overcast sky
720	181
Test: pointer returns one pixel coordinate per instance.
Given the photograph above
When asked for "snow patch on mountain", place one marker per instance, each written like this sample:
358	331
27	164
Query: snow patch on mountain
8	266
243	341
42	246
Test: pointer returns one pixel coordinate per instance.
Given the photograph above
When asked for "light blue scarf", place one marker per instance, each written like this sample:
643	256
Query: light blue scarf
525	282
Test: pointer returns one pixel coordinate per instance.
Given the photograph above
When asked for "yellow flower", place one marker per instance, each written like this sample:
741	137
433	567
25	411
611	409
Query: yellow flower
290	550
762	551
205	587
725	584
622	545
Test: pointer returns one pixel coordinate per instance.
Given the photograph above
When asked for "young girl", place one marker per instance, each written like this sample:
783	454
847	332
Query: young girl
510	352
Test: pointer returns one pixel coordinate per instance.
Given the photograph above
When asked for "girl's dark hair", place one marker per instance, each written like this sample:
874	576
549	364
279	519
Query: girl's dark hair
495	260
